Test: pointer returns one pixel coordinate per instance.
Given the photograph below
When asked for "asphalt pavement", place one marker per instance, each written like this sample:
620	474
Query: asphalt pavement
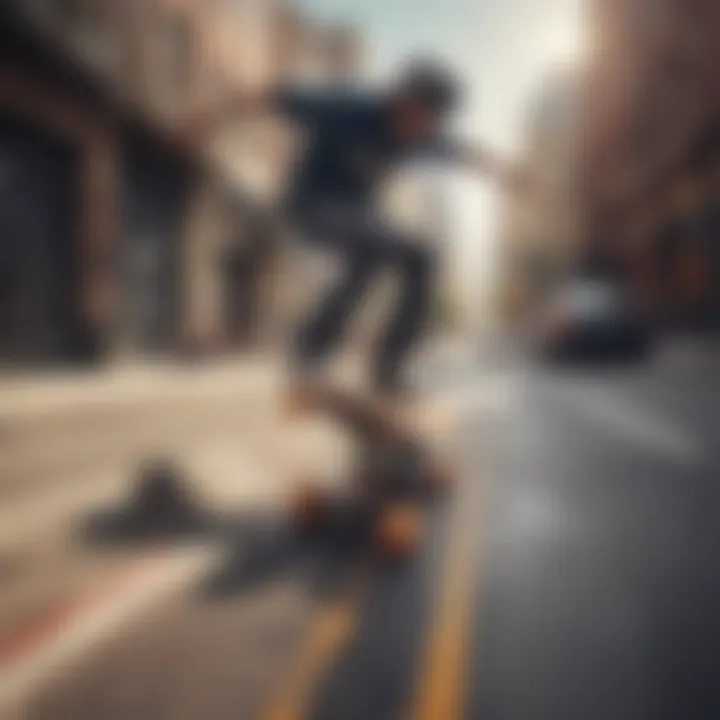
601	585
571	575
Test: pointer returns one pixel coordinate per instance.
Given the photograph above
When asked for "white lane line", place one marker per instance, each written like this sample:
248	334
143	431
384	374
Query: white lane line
42	649
633	422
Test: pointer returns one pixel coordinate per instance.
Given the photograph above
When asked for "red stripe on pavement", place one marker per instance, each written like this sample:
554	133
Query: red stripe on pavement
49	623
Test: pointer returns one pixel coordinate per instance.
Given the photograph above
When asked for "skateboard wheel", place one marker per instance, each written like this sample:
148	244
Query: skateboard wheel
310	506
398	531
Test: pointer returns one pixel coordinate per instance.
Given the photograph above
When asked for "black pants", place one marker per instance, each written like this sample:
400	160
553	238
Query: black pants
365	246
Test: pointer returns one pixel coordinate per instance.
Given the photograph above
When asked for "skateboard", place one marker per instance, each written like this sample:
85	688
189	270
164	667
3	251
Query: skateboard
394	477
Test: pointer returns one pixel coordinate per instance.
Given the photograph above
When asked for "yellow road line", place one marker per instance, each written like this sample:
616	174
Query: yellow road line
332	628
439	691
336	622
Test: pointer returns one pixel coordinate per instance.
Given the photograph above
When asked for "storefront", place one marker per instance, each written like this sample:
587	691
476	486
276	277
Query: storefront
155	186
38	216
114	240
57	204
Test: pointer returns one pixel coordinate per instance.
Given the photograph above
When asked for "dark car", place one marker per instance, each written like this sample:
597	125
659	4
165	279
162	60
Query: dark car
589	321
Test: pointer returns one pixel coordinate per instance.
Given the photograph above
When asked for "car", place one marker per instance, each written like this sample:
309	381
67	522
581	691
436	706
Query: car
589	320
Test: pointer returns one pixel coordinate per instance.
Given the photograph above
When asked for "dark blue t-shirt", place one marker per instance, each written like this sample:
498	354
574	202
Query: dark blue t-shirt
350	146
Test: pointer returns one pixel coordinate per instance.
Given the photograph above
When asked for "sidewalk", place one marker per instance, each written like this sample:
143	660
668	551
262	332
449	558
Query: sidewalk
71	446
54	392
69	438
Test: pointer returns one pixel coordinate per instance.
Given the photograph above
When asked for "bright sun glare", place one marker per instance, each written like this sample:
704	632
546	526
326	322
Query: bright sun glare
562	41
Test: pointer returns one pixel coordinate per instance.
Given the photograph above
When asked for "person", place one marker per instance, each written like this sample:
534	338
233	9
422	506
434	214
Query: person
353	140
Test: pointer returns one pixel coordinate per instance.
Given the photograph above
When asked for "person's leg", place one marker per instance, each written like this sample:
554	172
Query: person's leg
324	328
365	245
344	232
415	264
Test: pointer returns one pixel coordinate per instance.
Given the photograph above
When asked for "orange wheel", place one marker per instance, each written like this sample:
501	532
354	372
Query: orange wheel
310	506
398	530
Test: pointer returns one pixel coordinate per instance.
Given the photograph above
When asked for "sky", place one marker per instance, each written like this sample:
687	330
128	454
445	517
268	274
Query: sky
502	49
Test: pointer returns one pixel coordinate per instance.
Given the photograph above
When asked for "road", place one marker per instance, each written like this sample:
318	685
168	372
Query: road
572	575
601	586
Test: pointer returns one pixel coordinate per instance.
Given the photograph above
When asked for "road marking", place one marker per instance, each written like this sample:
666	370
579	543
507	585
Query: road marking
440	681
331	629
30	654
633	422
336	622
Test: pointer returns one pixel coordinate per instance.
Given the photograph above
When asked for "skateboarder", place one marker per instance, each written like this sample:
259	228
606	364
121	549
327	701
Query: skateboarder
352	141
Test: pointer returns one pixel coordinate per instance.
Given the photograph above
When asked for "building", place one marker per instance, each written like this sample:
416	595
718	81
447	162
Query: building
158	246
87	99
58	202
540	230
109	226
650	154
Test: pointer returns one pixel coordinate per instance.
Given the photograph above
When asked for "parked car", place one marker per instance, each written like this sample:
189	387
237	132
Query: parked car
589	320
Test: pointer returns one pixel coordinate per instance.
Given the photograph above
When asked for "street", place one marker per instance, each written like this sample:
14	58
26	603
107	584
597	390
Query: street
490	231
570	575
600	585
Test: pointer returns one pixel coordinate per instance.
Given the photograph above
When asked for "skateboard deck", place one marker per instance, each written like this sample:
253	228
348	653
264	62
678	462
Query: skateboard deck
395	476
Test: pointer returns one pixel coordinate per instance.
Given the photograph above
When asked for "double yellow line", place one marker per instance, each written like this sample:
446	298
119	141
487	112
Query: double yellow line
332	628
440	681
440	684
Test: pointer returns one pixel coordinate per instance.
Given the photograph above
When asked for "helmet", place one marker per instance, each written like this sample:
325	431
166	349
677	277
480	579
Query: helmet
431	84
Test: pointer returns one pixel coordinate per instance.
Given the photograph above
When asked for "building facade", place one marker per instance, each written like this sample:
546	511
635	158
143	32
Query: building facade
540	238
149	246
58	203
650	155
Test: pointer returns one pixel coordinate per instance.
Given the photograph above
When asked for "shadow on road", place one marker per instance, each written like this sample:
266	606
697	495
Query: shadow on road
161	508
278	551
261	547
